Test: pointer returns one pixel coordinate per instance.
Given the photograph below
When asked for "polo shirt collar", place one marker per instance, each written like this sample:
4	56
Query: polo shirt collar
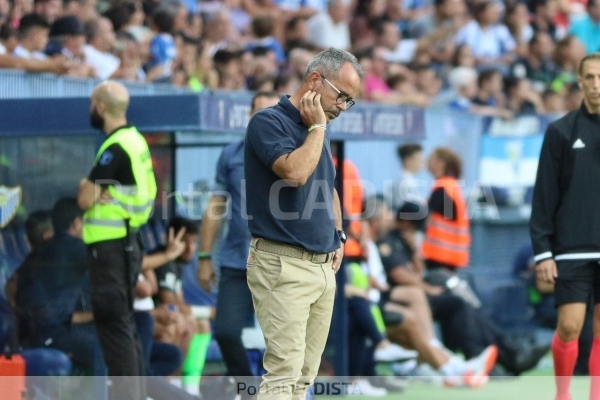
289	108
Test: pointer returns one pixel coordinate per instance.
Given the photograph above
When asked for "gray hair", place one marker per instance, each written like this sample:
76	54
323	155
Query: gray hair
330	61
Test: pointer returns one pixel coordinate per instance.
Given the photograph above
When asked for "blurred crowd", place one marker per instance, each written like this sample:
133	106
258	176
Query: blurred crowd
493	58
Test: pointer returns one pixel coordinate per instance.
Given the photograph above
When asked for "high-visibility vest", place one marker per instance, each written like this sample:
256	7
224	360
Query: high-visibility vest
447	240
107	221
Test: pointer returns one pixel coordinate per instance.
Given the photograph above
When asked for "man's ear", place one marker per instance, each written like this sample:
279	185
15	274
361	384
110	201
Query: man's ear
313	80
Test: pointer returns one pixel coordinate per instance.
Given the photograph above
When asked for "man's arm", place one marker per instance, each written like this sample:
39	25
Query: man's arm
297	166
211	225
546	195
173	250
57	65
337	211
88	193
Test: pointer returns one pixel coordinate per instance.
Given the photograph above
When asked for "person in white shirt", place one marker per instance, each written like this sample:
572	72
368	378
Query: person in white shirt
407	187
33	34
100	41
490	41
330	28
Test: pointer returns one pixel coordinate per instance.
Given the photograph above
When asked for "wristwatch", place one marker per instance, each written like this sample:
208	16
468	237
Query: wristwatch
342	235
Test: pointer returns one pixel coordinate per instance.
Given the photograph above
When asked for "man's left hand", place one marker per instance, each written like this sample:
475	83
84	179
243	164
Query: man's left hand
337	258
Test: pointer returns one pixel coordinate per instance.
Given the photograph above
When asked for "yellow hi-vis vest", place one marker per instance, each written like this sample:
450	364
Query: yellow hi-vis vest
106	221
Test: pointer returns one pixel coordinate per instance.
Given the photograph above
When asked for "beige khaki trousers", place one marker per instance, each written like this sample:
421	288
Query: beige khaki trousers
293	300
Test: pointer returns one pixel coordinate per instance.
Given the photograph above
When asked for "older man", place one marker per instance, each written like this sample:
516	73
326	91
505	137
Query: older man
295	221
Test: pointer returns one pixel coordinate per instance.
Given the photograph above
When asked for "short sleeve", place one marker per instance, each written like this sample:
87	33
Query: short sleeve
221	178
268	139
508	42
166	276
391	258
113	165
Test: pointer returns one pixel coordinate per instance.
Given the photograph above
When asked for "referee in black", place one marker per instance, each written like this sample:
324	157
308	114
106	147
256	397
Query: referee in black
565	225
118	196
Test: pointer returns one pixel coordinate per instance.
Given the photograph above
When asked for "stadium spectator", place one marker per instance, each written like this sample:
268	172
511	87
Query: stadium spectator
543	17
537	65
464	81
196	328
217	30
521	99
84	10
296	33
490	41
115	252
517	22
33	37
285	83
49	9
489	89
397	49
277	148
586	29
67	38
100	43
568	54
9	39
463	57
401	84
330	28
263	29
367	15
229	67
554	103
234	302
159	67
564	252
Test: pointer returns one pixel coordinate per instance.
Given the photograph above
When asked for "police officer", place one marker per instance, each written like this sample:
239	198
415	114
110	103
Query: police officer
118	197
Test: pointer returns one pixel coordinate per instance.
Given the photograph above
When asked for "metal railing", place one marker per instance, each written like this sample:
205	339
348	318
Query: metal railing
16	84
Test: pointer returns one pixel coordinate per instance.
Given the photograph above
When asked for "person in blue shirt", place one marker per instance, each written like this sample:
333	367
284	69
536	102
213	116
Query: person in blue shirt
587	29
162	46
234	302
295	218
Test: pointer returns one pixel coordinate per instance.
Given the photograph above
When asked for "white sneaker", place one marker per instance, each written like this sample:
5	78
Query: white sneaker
484	362
363	387
393	352
479	367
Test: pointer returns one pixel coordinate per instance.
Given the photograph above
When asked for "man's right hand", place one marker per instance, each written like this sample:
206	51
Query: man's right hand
546	271
311	109
206	274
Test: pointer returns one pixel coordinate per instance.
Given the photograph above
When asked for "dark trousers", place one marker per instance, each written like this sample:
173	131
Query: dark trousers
234	311
113	274
361	325
461	329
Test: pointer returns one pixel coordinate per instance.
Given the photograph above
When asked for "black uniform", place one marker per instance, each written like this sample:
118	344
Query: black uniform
113	275
565	217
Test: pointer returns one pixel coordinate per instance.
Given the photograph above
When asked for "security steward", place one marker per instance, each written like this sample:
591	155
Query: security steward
118	197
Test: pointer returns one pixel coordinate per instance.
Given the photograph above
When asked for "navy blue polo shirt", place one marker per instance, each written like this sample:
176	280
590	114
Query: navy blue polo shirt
301	216
230	174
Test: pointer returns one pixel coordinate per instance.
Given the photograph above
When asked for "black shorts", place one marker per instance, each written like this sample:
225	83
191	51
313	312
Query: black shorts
390	318
577	279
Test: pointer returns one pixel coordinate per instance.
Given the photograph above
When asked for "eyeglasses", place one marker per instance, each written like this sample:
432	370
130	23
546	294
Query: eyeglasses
342	97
